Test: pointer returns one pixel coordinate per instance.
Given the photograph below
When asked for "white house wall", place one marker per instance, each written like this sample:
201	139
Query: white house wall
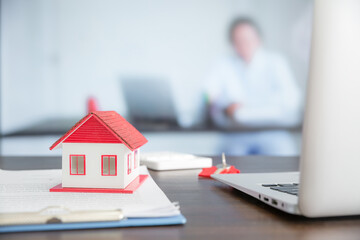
93	177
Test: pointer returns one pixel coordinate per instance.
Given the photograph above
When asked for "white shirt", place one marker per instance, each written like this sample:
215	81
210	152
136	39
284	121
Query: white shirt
265	88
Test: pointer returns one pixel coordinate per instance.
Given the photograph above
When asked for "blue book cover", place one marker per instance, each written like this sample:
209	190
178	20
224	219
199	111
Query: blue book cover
129	222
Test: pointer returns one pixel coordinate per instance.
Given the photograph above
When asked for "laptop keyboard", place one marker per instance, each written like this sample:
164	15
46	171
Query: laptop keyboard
289	188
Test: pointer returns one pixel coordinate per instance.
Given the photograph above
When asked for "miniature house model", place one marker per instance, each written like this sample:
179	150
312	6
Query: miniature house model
100	151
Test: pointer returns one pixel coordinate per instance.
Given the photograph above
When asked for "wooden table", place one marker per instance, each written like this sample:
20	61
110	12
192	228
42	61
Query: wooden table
213	210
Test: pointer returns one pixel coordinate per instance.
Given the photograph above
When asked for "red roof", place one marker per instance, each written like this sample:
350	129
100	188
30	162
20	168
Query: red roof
103	127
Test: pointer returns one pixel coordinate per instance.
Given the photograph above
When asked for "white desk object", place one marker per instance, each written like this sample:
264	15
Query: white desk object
173	161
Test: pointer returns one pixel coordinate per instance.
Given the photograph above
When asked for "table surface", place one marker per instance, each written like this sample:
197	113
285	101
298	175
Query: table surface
213	210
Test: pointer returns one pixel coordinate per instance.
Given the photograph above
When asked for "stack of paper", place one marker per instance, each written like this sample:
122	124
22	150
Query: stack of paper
28	191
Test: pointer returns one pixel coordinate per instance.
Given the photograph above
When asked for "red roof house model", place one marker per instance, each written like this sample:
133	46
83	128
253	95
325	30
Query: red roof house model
100	151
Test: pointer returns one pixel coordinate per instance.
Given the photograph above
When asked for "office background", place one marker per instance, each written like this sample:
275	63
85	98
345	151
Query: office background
56	54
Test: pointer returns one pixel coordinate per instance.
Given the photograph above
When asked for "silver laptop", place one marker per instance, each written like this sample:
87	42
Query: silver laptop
149	100
329	180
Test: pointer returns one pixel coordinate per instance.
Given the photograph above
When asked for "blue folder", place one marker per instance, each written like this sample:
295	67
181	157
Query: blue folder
127	222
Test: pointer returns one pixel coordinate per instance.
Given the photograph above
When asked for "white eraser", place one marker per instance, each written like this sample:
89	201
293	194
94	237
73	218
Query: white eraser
172	161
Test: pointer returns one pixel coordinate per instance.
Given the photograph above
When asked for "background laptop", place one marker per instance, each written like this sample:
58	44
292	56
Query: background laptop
330	159
149	103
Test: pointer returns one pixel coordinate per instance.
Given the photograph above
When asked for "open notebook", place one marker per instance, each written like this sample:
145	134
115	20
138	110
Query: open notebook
28	192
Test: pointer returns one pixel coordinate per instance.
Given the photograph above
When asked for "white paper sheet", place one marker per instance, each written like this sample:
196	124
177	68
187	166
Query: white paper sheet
28	191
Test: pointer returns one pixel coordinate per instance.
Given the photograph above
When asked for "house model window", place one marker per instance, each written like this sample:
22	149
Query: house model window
77	164
129	163
109	165
135	158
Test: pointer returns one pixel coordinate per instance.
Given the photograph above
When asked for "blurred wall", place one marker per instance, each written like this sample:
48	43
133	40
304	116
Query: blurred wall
56	53
25	84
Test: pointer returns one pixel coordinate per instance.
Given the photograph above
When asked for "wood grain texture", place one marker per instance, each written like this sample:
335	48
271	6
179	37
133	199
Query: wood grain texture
213	210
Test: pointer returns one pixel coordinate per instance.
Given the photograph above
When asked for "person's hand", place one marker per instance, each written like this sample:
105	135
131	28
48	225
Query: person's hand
231	109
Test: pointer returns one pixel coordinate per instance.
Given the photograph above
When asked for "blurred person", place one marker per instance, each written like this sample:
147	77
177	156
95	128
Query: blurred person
254	88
